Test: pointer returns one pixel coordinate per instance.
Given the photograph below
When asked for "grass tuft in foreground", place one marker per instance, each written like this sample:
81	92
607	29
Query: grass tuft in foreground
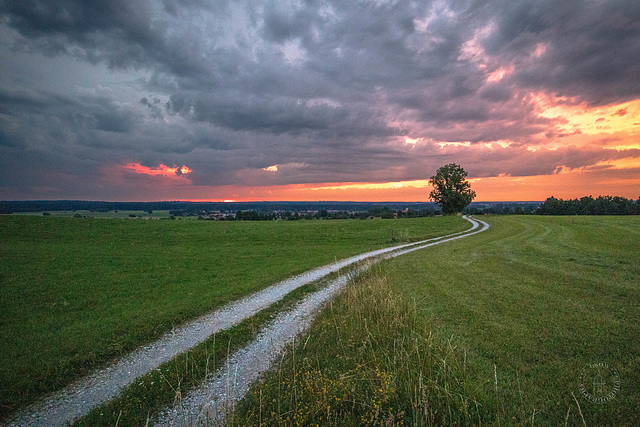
369	359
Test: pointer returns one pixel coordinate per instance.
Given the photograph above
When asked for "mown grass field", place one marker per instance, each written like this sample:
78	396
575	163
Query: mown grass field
494	329
76	293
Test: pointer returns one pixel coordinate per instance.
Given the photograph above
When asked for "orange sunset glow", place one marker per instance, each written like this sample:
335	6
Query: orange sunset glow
612	130
613	127
574	184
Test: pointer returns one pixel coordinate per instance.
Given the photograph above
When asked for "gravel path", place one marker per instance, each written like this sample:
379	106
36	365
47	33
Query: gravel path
78	398
207	405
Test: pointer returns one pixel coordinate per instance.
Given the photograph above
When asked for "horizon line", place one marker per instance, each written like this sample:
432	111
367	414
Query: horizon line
256	201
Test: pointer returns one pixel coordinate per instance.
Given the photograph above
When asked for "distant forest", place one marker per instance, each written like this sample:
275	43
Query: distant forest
264	211
602	205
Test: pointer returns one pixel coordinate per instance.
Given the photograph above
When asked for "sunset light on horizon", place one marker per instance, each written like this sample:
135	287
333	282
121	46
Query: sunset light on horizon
329	101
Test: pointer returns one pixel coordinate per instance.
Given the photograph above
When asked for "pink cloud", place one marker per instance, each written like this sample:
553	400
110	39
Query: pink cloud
161	170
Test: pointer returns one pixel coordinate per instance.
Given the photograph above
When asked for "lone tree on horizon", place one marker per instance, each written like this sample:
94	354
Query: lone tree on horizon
450	189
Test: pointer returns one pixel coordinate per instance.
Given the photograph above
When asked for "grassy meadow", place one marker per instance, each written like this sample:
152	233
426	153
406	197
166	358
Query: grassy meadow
494	329
76	293
119	214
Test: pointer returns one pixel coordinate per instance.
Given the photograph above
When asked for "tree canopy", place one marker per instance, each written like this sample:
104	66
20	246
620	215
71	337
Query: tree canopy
602	205
450	189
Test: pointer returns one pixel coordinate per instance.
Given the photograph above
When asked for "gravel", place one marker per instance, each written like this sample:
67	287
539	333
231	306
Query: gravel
78	398
206	404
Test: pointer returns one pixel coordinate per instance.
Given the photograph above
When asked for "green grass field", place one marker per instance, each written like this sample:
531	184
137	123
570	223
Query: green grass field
76	293
120	214
498	329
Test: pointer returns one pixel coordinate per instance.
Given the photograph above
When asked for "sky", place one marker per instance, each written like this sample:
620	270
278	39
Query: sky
363	100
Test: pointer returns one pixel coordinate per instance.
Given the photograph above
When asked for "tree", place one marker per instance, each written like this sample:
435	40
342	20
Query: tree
450	189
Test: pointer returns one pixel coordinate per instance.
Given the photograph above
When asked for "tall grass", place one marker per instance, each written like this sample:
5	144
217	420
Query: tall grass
369	359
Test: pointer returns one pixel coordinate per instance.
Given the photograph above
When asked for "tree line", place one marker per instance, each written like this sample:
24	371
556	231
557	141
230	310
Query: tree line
602	205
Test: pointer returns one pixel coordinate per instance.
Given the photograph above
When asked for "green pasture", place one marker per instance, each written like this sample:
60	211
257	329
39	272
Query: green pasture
499	328
76	293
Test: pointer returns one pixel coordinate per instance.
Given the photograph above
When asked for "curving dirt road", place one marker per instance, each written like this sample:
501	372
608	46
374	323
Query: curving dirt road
206	405
78	398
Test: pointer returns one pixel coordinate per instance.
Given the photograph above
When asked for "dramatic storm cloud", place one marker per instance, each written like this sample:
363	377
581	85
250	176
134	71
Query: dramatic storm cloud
196	99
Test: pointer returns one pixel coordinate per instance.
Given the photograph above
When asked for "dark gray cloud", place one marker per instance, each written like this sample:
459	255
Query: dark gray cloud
81	27
330	88
589	46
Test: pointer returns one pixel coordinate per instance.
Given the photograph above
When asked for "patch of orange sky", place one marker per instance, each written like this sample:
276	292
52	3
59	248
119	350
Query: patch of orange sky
162	170
566	184
620	122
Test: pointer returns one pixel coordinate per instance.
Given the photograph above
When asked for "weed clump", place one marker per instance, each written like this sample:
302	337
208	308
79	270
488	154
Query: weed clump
369	359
